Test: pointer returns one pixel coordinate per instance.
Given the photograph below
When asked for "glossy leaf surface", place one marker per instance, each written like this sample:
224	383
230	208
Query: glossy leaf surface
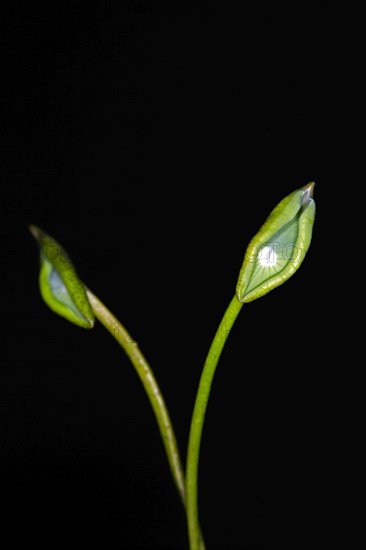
279	247
59	283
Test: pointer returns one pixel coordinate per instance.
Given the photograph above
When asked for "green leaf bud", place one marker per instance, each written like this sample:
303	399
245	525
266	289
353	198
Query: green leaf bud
59	283
278	249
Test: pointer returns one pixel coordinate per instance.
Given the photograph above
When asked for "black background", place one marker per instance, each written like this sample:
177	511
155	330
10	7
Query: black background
152	140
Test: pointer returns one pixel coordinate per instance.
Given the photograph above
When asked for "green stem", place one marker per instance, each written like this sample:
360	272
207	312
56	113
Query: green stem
200	406
151	387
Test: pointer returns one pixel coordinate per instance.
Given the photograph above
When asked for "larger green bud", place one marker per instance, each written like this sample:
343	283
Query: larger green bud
278	249
59	283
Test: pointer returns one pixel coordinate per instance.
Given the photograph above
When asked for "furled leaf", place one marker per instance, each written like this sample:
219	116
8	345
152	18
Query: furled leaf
279	248
59	283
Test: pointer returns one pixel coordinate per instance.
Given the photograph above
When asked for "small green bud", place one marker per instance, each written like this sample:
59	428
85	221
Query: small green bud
59	283
279	248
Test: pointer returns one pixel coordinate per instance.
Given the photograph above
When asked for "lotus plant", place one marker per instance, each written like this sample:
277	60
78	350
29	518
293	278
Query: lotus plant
273	255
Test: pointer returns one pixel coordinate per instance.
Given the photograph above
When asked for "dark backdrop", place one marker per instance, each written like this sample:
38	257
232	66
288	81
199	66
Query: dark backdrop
152	140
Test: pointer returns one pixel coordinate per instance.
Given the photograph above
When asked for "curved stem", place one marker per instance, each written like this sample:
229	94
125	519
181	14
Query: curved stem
198	416
151	387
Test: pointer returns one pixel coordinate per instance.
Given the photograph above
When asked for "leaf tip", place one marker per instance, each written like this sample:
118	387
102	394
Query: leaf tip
36	231
308	191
